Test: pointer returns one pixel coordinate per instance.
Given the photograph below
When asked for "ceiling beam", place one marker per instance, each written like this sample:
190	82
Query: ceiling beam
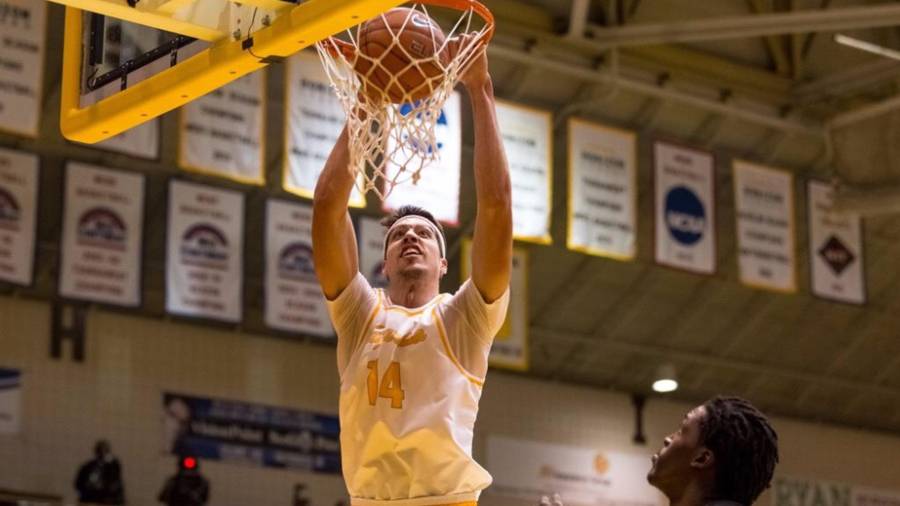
740	27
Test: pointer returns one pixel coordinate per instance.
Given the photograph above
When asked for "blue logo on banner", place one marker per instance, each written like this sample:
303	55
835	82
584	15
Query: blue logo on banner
295	262
685	216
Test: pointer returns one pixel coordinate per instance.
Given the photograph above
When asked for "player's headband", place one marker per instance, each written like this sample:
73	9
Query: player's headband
421	219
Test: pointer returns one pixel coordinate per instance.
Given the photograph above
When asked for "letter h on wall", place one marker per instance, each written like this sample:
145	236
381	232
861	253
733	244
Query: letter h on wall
68	324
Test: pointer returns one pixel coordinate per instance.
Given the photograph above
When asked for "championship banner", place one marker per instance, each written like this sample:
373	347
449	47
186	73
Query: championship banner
23	24
764	210
10	401
222	132
248	433
438	188
204	258
835	248
602	191
18	215
790	491
685	208
527	470
371	251
510	347
141	141
528	140
102	236
294	299
313	124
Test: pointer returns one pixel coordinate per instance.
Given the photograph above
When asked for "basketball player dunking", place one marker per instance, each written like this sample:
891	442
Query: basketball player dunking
412	361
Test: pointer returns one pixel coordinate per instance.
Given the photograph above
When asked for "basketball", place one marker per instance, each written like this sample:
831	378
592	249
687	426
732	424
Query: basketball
400	55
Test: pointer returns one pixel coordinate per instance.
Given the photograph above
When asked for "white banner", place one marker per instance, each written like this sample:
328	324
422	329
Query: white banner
22	23
10	400
685	208
438	188
526	470
18	215
102	235
527	138
835	248
222	132
313	124
510	347
141	141
205	245
790	491
602	190
371	251
294	299
764	209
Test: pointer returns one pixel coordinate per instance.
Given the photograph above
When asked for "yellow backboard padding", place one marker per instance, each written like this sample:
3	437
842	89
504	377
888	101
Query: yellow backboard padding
222	63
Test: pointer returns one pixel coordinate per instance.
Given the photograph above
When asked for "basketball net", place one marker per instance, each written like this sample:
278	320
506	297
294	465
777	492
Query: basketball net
395	139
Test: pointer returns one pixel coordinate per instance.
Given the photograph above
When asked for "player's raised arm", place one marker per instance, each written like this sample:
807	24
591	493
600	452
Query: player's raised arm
334	242
492	244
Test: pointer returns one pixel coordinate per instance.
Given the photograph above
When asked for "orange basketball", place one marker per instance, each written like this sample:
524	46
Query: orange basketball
400	55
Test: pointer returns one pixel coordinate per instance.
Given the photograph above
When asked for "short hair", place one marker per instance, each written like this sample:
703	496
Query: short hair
745	447
389	220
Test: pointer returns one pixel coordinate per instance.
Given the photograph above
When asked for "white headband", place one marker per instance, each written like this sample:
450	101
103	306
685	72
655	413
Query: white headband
422	219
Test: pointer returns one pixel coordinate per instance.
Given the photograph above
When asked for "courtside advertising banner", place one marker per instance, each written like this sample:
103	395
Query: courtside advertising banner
764	210
314	121
205	244
835	248
222	131
141	141
294	299
10	401
526	134
18	212
103	227
22	23
371	251
527	470
438	188
685	208
791	491
510	347
602	191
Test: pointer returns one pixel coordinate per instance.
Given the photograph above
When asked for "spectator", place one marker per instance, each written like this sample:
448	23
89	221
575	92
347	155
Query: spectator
187	487
99	480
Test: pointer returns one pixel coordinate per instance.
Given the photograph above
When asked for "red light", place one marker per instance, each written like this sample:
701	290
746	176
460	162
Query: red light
189	463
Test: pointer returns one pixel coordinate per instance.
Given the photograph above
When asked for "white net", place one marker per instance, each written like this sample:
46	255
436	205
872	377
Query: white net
392	75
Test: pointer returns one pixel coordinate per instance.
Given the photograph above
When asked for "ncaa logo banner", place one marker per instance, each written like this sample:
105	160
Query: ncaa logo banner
764	210
222	132
509	349
102	239
314	121
371	251
685	208
18	211
526	135
602	191
835	248
438	187
22	23
10	401
294	299
204	252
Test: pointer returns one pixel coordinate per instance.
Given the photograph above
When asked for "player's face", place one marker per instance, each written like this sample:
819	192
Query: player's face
680	454
413	251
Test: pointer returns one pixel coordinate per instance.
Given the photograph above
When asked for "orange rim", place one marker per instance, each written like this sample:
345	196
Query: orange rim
461	5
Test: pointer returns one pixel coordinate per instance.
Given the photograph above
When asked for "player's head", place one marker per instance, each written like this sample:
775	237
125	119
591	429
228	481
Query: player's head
726	447
414	246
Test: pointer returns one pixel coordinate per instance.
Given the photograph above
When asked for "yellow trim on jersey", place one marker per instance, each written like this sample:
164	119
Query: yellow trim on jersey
443	333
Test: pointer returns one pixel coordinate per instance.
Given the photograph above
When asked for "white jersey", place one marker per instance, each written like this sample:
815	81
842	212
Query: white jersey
408	402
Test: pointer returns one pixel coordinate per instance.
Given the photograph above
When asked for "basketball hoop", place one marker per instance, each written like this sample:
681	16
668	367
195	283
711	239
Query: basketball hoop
393	99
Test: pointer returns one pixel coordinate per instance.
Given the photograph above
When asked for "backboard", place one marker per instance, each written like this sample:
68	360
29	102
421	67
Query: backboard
128	61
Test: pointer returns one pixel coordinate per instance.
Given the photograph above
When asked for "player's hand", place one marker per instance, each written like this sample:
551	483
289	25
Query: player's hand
476	75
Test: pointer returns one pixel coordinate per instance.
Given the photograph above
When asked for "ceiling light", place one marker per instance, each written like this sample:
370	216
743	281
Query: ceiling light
665	379
867	46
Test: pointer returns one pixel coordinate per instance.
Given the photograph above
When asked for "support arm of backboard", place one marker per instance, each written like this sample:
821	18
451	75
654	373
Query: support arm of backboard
200	74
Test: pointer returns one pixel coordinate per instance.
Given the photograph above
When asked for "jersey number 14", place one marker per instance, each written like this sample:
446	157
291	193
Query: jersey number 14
390	386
